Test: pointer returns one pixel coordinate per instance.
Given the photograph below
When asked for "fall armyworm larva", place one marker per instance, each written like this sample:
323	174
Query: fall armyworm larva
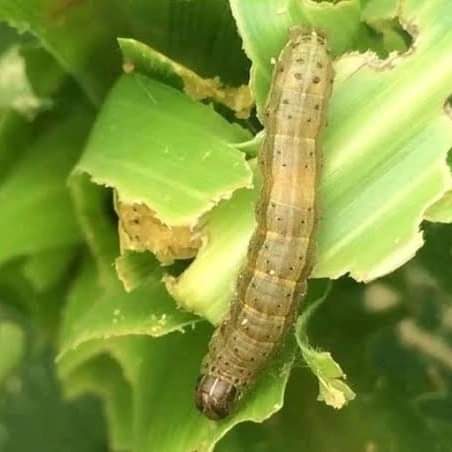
279	259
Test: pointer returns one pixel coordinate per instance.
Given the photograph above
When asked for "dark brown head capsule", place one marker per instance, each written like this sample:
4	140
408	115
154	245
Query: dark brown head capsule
214	397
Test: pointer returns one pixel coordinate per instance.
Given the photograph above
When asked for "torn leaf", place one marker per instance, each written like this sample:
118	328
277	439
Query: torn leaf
158	147
332	388
140	230
138	56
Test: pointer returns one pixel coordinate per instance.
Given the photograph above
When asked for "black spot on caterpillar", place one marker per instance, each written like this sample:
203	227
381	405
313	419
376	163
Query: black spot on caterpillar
279	258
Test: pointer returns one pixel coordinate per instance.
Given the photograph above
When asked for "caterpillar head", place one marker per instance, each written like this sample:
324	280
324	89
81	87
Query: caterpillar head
215	398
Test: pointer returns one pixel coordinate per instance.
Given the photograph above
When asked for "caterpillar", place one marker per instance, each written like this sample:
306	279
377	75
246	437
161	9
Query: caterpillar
279	257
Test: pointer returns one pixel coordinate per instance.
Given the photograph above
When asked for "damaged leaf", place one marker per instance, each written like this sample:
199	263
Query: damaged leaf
207	286
140	230
180	162
332	388
142	58
95	313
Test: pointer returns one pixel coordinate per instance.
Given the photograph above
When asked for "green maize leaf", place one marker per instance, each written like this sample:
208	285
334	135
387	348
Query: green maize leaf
198	34
31	401
179	161
89	57
15	135
138	56
103	377
76	358
401	160
8	37
91	204
382	16
37	213
441	211
16	292
134	268
144	59
45	269
20	299
97	313
24	77
251	147
376	10
332	388
108	369
45	75
12	348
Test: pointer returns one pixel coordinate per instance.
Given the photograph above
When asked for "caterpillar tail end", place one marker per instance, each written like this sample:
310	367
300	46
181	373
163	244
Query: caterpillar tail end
214	397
